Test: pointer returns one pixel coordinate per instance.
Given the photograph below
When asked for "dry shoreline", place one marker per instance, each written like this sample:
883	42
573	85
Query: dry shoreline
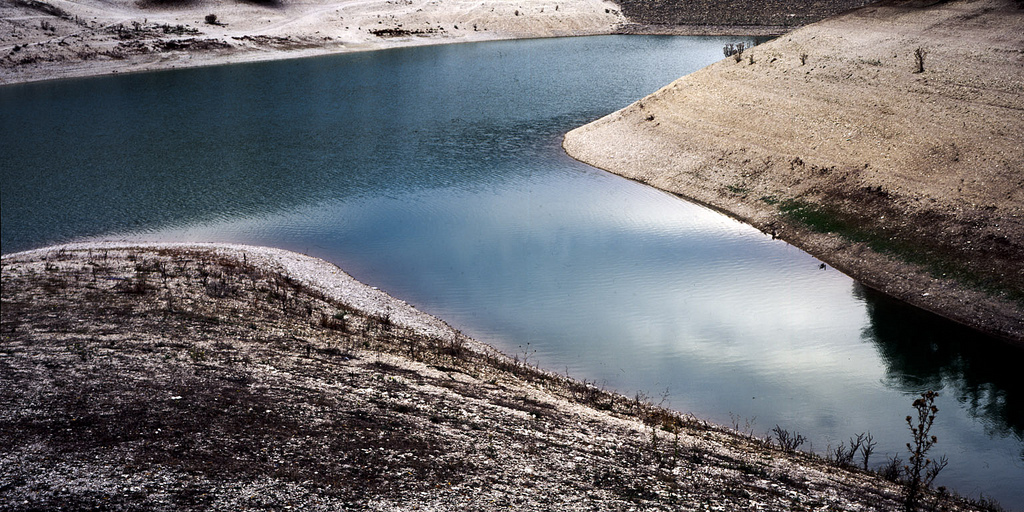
53	39
217	377
189	59
826	137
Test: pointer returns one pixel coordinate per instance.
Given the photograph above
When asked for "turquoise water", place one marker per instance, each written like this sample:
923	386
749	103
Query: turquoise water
437	174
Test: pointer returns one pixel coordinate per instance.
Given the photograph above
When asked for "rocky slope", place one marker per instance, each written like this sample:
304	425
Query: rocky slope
909	178
239	378
777	16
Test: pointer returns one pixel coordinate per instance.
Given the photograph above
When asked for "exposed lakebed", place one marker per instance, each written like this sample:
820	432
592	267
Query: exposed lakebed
437	174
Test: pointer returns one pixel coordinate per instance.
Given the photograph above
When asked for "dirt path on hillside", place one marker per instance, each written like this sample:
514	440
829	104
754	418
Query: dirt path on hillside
829	137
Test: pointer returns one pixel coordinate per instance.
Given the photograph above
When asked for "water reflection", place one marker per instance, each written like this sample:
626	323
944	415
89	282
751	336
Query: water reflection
922	351
142	151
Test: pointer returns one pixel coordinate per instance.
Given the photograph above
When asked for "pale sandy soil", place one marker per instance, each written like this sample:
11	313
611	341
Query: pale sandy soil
210	377
912	183
45	39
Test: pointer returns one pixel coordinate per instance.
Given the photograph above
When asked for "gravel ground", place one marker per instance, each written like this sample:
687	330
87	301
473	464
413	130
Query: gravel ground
198	377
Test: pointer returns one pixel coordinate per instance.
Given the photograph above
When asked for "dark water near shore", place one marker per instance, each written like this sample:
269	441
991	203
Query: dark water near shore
437	174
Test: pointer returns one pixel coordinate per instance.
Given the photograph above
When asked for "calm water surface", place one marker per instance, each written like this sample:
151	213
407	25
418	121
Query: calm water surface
437	174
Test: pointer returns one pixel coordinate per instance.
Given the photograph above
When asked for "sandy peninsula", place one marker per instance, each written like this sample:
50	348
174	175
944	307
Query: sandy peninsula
888	142
214	377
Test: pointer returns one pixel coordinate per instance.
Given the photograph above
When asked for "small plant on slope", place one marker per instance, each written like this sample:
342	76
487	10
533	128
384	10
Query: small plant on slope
920	470
788	441
919	55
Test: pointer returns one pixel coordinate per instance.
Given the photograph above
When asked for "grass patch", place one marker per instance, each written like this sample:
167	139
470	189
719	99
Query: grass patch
821	219
936	260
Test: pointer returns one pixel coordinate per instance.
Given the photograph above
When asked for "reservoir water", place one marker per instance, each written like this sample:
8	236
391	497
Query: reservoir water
436	174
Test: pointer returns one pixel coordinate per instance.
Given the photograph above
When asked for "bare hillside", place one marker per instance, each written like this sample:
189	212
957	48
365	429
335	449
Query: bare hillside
781	15
241	378
42	39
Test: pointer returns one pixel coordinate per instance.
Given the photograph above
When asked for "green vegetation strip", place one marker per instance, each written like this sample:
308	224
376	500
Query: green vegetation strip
935	260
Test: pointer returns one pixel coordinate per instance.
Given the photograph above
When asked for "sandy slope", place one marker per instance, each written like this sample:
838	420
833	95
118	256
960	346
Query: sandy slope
910	182
41	39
